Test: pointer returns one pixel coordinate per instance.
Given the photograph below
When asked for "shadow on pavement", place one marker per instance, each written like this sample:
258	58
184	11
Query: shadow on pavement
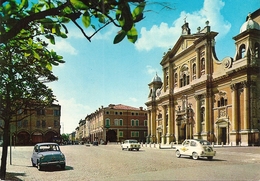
13	176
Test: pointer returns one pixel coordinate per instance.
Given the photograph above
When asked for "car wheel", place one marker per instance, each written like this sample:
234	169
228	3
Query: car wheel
195	156
137	149
122	148
33	163
63	166
210	158
39	167
178	154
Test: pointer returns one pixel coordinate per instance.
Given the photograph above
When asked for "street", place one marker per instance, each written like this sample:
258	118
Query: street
109	162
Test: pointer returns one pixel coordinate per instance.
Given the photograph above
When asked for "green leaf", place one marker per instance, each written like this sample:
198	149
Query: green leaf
79	4
101	18
49	66
86	19
93	26
36	55
63	35
24	4
119	37
138	10
51	38
132	35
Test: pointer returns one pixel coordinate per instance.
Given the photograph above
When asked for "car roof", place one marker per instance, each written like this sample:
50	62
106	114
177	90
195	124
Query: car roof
47	143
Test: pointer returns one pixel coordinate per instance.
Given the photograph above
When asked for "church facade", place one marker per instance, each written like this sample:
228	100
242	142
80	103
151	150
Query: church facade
202	97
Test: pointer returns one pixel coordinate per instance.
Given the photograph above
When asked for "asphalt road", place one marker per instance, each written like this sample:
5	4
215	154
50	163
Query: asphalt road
109	162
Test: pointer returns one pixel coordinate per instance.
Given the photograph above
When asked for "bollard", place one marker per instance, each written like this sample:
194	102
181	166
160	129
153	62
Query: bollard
239	143
221	143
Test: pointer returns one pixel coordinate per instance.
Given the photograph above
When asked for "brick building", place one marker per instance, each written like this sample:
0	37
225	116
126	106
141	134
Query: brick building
202	97
115	123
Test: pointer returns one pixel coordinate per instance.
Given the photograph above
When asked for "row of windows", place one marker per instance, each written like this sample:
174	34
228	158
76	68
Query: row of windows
39	112
183	78
39	124
120	122
133	134
121	113
242	51
43	124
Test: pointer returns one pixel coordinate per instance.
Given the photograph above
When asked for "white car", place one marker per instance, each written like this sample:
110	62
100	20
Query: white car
195	148
46	154
131	145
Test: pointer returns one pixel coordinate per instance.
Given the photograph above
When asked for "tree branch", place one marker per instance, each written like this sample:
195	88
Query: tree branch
23	23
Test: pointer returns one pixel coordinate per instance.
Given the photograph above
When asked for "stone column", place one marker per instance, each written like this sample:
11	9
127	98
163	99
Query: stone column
207	113
198	64
169	136
233	133
197	118
246	106
245	130
164	126
148	126
153	124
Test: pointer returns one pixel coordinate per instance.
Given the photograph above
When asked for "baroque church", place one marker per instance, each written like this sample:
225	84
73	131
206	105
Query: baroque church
201	97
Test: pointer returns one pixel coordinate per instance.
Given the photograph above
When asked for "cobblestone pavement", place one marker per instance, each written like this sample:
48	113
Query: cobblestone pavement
109	162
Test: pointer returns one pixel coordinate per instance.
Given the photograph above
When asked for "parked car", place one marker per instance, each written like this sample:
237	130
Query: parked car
195	148
130	145
47	154
95	143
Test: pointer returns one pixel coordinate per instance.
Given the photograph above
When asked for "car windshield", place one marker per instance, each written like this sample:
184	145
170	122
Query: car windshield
132	141
204	142
43	148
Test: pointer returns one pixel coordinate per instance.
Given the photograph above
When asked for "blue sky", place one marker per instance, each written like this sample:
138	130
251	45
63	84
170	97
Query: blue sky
100	73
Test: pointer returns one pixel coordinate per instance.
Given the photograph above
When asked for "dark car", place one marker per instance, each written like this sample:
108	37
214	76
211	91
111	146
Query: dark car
95	143
45	154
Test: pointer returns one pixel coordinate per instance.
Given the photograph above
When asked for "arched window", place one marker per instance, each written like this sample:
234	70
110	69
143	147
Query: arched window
202	66
184	76
194	71
107	122
257	47
222	102
242	50
175	80
184	80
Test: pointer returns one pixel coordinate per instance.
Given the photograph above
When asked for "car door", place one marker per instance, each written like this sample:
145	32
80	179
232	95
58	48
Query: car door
185	147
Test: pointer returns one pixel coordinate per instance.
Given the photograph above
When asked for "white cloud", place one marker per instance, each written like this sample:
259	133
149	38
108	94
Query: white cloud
63	46
164	36
133	99
150	70
71	114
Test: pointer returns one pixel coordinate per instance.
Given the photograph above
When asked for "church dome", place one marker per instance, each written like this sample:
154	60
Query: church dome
156	78
249	24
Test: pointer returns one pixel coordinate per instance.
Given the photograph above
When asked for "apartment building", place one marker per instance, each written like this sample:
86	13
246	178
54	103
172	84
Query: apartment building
38	126
115	123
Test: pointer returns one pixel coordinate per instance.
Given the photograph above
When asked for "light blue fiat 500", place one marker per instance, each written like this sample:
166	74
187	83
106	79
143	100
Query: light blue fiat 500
48	154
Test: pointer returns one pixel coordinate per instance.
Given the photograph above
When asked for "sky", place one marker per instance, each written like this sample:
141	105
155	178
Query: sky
99	73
